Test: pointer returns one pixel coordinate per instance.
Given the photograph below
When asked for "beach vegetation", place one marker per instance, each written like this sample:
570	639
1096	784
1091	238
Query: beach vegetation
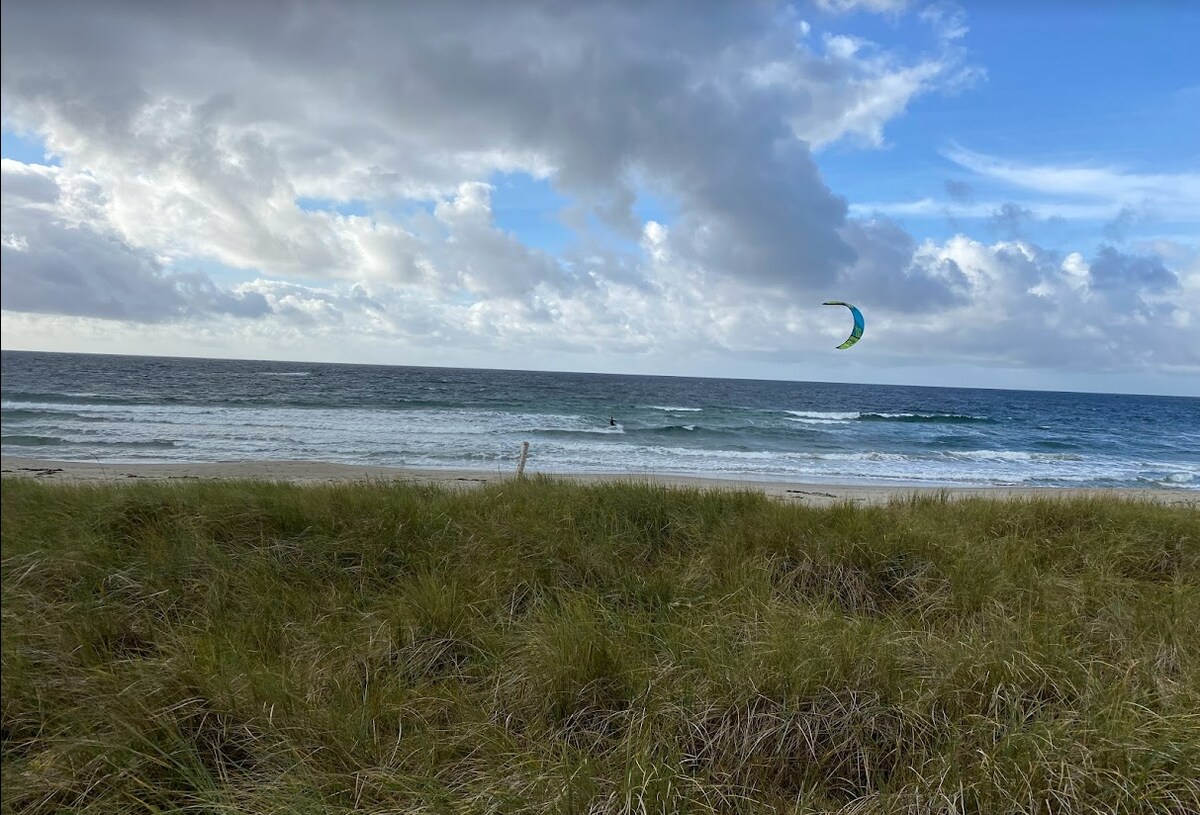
550	647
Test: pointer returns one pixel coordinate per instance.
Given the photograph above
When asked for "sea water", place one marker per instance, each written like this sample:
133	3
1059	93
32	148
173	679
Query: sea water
91	407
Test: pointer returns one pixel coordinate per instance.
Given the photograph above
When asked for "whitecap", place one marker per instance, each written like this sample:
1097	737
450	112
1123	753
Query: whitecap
825	416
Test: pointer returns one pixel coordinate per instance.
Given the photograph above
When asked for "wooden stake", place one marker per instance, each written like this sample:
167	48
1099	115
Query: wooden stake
521	461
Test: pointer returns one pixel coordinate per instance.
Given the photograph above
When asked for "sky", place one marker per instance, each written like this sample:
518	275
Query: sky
1009	191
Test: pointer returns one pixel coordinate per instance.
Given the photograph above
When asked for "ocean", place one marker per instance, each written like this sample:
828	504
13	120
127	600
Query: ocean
92	407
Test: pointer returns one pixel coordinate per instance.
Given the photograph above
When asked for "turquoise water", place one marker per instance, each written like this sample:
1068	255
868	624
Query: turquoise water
153	409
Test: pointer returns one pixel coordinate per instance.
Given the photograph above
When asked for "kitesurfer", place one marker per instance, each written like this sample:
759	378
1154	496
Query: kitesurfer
612	422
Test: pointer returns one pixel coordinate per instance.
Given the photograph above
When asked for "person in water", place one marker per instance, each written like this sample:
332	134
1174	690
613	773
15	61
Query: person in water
612	422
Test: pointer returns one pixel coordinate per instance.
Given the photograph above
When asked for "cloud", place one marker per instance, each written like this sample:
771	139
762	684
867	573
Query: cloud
29	184
947	19
877	6
959	191
52	263
195	132
1010	220
1119	226
485	260
1176	195
1024	306
1009	304
852	88
205	128
1122	199
987	210
1113	271
890	271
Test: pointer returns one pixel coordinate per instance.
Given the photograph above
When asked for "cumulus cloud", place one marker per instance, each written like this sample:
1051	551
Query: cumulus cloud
198	131
1023	305
485	260
51	262
1113	271
216	121
890	271
1008	303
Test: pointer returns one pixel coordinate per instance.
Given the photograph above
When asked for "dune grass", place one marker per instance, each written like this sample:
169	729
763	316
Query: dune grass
546	647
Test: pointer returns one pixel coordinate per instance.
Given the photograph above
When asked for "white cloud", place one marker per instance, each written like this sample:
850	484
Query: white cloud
933	207
205	128
1127	201
1027	306
877	6
1008	304
191	131
55	259
947	19
1176	195
853	89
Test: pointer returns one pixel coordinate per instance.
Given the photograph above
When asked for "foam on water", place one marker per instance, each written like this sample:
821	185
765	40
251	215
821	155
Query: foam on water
825	416
75	407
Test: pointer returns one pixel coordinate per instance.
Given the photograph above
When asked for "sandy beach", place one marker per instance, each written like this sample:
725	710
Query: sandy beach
318	472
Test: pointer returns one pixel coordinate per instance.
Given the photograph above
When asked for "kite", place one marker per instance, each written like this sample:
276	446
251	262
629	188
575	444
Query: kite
859	324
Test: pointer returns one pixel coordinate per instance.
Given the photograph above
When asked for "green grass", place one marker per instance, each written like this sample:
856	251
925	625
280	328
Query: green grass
545	647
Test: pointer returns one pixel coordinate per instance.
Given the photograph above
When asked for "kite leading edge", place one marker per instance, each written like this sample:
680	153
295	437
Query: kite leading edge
859	323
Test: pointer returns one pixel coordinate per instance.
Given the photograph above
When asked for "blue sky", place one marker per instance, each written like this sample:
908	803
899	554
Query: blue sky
968	174
25	147
1116	86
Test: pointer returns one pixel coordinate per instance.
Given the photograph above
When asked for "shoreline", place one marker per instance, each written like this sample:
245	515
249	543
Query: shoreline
318	472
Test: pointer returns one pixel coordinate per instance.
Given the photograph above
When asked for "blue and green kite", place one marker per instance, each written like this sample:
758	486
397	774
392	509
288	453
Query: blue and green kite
859	323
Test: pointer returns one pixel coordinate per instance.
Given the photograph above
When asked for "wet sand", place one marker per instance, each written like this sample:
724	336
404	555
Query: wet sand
316	472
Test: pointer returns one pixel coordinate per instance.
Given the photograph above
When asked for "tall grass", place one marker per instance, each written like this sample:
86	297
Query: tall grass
545	647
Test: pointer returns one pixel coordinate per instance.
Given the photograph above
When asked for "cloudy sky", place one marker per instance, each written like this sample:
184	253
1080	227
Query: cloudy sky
1009	191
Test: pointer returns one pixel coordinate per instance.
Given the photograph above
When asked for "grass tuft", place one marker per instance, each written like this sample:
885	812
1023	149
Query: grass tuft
542	646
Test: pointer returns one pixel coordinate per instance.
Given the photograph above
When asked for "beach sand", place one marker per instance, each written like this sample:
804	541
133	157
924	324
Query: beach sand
316	472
